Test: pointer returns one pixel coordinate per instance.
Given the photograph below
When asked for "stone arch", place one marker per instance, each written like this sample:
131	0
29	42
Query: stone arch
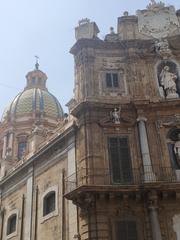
172	133
173	142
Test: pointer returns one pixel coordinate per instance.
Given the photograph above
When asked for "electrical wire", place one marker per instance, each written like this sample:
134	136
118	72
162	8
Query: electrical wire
7	86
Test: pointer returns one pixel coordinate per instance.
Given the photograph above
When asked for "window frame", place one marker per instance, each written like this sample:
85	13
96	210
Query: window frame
121	90
126	220
47	200
14	233
21	138
55	211
112	80
123	180
21	149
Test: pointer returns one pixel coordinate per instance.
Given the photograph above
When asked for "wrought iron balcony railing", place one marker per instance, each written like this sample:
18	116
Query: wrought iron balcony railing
135	176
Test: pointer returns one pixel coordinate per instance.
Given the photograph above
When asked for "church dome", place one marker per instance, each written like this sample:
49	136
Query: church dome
34	101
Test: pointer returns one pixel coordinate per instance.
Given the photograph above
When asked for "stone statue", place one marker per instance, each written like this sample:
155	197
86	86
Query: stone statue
115	115
162	48
177	149
168	81
153	4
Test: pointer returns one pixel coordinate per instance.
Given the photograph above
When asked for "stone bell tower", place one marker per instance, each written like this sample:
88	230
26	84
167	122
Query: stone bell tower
127	99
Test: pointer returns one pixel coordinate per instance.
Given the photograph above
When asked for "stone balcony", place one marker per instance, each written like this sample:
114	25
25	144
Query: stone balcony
138	179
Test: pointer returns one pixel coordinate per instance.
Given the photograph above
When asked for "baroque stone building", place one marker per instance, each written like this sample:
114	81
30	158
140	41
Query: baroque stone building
110	169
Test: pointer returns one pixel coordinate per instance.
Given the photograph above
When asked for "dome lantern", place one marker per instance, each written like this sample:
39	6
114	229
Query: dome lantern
36	78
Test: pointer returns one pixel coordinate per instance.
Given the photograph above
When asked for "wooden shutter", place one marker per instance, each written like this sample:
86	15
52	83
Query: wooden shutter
126	230
120	160
108	80
115	80
125	160
114	157
120	230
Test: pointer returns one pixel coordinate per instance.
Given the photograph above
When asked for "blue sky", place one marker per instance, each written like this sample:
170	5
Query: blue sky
46	28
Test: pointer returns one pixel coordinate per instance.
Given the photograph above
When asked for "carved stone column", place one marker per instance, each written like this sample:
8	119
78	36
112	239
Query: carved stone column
28	210
176	225
4	147
153	217
147	165
3	160
10	144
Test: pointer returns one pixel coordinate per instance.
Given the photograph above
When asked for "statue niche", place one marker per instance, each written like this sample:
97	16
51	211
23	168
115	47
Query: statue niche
168	79
174	147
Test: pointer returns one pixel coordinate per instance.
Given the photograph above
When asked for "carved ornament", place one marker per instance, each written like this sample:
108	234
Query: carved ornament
162	48
115	118
173	121
157	20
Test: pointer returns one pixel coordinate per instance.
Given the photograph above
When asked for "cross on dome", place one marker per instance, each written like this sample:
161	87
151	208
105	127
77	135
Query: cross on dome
37	63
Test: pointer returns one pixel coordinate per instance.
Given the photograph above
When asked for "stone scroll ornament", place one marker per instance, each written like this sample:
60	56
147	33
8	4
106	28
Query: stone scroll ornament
157	21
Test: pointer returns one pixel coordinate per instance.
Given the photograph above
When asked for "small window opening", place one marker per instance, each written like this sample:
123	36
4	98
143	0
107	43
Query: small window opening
112	80
49	203
21	149
11	225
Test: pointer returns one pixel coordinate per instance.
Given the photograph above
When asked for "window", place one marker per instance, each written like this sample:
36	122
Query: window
11	224
112	80
21	149
33	81
49	206
49	203
120	161
126	230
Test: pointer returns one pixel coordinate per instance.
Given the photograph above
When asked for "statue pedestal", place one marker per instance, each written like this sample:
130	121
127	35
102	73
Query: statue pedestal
172	95
178	175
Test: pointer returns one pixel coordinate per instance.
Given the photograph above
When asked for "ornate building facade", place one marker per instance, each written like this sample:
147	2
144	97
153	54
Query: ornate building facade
109	170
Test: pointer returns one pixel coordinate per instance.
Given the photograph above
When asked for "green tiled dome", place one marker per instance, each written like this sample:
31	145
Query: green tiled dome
34	100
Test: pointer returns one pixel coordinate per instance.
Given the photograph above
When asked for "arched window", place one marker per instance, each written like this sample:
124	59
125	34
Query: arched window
11	224
49	206
49	203
21	149
22	145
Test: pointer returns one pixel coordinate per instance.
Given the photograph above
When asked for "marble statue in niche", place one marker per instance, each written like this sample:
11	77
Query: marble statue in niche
169	85
115	115
168	81
177	148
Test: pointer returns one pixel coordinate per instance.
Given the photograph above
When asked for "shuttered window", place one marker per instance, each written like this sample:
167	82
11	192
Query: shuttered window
112	80
120	161
126	230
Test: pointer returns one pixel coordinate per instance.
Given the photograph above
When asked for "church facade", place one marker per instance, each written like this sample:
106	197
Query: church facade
110	169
